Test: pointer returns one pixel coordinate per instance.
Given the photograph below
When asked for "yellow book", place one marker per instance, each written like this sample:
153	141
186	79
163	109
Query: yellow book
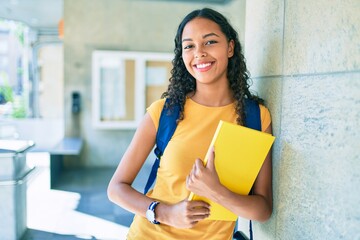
239	154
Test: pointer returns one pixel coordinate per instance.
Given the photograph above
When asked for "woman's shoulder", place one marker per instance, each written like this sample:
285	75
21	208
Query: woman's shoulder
154	110
157	104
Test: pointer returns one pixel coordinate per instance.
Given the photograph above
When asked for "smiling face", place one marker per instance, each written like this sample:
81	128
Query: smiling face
205	51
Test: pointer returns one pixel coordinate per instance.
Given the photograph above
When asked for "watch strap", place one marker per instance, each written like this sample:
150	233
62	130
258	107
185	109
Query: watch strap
152	207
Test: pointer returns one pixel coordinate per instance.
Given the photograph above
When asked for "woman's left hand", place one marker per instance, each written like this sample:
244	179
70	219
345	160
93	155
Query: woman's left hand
203	180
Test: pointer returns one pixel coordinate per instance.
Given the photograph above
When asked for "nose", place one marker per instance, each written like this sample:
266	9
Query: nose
200	53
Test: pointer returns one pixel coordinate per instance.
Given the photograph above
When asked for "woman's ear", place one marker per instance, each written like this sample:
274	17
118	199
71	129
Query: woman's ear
231	48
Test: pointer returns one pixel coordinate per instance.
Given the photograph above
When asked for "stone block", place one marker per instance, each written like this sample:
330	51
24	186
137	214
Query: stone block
264	37
321	36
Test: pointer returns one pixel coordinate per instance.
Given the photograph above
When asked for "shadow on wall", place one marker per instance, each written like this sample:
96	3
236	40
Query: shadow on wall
267	84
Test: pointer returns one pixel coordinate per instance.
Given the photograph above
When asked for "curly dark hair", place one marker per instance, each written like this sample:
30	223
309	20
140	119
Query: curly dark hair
182	82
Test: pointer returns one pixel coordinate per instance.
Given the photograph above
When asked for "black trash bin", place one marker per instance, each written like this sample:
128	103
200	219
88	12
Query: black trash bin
14	174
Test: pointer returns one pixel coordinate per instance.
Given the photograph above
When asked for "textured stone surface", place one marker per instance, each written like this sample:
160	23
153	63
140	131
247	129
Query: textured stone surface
319	168
321	36
315	116
264	37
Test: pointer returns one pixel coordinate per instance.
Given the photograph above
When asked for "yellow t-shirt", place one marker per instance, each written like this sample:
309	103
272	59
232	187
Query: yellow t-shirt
191	140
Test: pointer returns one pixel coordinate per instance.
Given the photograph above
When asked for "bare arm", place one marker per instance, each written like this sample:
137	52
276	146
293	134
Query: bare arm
120	191
258	206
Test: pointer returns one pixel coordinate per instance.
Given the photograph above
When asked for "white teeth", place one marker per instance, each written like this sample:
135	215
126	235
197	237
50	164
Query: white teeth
204	65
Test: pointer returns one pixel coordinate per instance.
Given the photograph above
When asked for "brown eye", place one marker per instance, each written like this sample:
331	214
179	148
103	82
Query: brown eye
188	46
210	42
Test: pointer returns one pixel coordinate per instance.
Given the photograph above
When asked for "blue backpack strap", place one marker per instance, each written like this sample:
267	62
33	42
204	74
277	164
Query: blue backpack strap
252	114
252	120
167	126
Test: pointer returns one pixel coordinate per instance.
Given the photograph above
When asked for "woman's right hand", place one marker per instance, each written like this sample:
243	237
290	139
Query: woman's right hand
184	214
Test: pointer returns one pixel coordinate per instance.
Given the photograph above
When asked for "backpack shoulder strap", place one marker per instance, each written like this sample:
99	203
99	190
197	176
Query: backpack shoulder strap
252	120
252	114
167	126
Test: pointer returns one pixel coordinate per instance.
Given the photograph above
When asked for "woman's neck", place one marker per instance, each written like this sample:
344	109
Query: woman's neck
212	97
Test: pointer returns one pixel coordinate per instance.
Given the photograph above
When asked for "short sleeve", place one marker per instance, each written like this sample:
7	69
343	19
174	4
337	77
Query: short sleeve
154	111
265	117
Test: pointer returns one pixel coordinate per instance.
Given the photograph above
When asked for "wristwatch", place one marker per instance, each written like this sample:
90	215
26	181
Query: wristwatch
150	213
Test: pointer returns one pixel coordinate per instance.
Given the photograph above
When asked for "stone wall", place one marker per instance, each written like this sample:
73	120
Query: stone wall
304	57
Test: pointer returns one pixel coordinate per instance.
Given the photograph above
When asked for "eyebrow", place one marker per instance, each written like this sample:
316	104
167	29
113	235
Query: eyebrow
205	36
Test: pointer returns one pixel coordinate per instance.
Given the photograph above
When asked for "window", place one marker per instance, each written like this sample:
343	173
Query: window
15	55
124	84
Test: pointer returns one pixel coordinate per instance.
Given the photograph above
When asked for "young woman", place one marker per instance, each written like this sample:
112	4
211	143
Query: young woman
210	83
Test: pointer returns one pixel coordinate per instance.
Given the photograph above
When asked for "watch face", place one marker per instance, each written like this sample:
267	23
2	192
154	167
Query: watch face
150	215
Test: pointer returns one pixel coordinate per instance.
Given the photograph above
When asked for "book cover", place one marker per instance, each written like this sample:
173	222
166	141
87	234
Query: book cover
239	154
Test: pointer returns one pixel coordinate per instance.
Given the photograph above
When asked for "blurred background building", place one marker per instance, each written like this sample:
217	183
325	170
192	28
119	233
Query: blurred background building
303	56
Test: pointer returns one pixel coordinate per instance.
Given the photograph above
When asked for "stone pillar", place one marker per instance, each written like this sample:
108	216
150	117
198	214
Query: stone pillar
304	58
